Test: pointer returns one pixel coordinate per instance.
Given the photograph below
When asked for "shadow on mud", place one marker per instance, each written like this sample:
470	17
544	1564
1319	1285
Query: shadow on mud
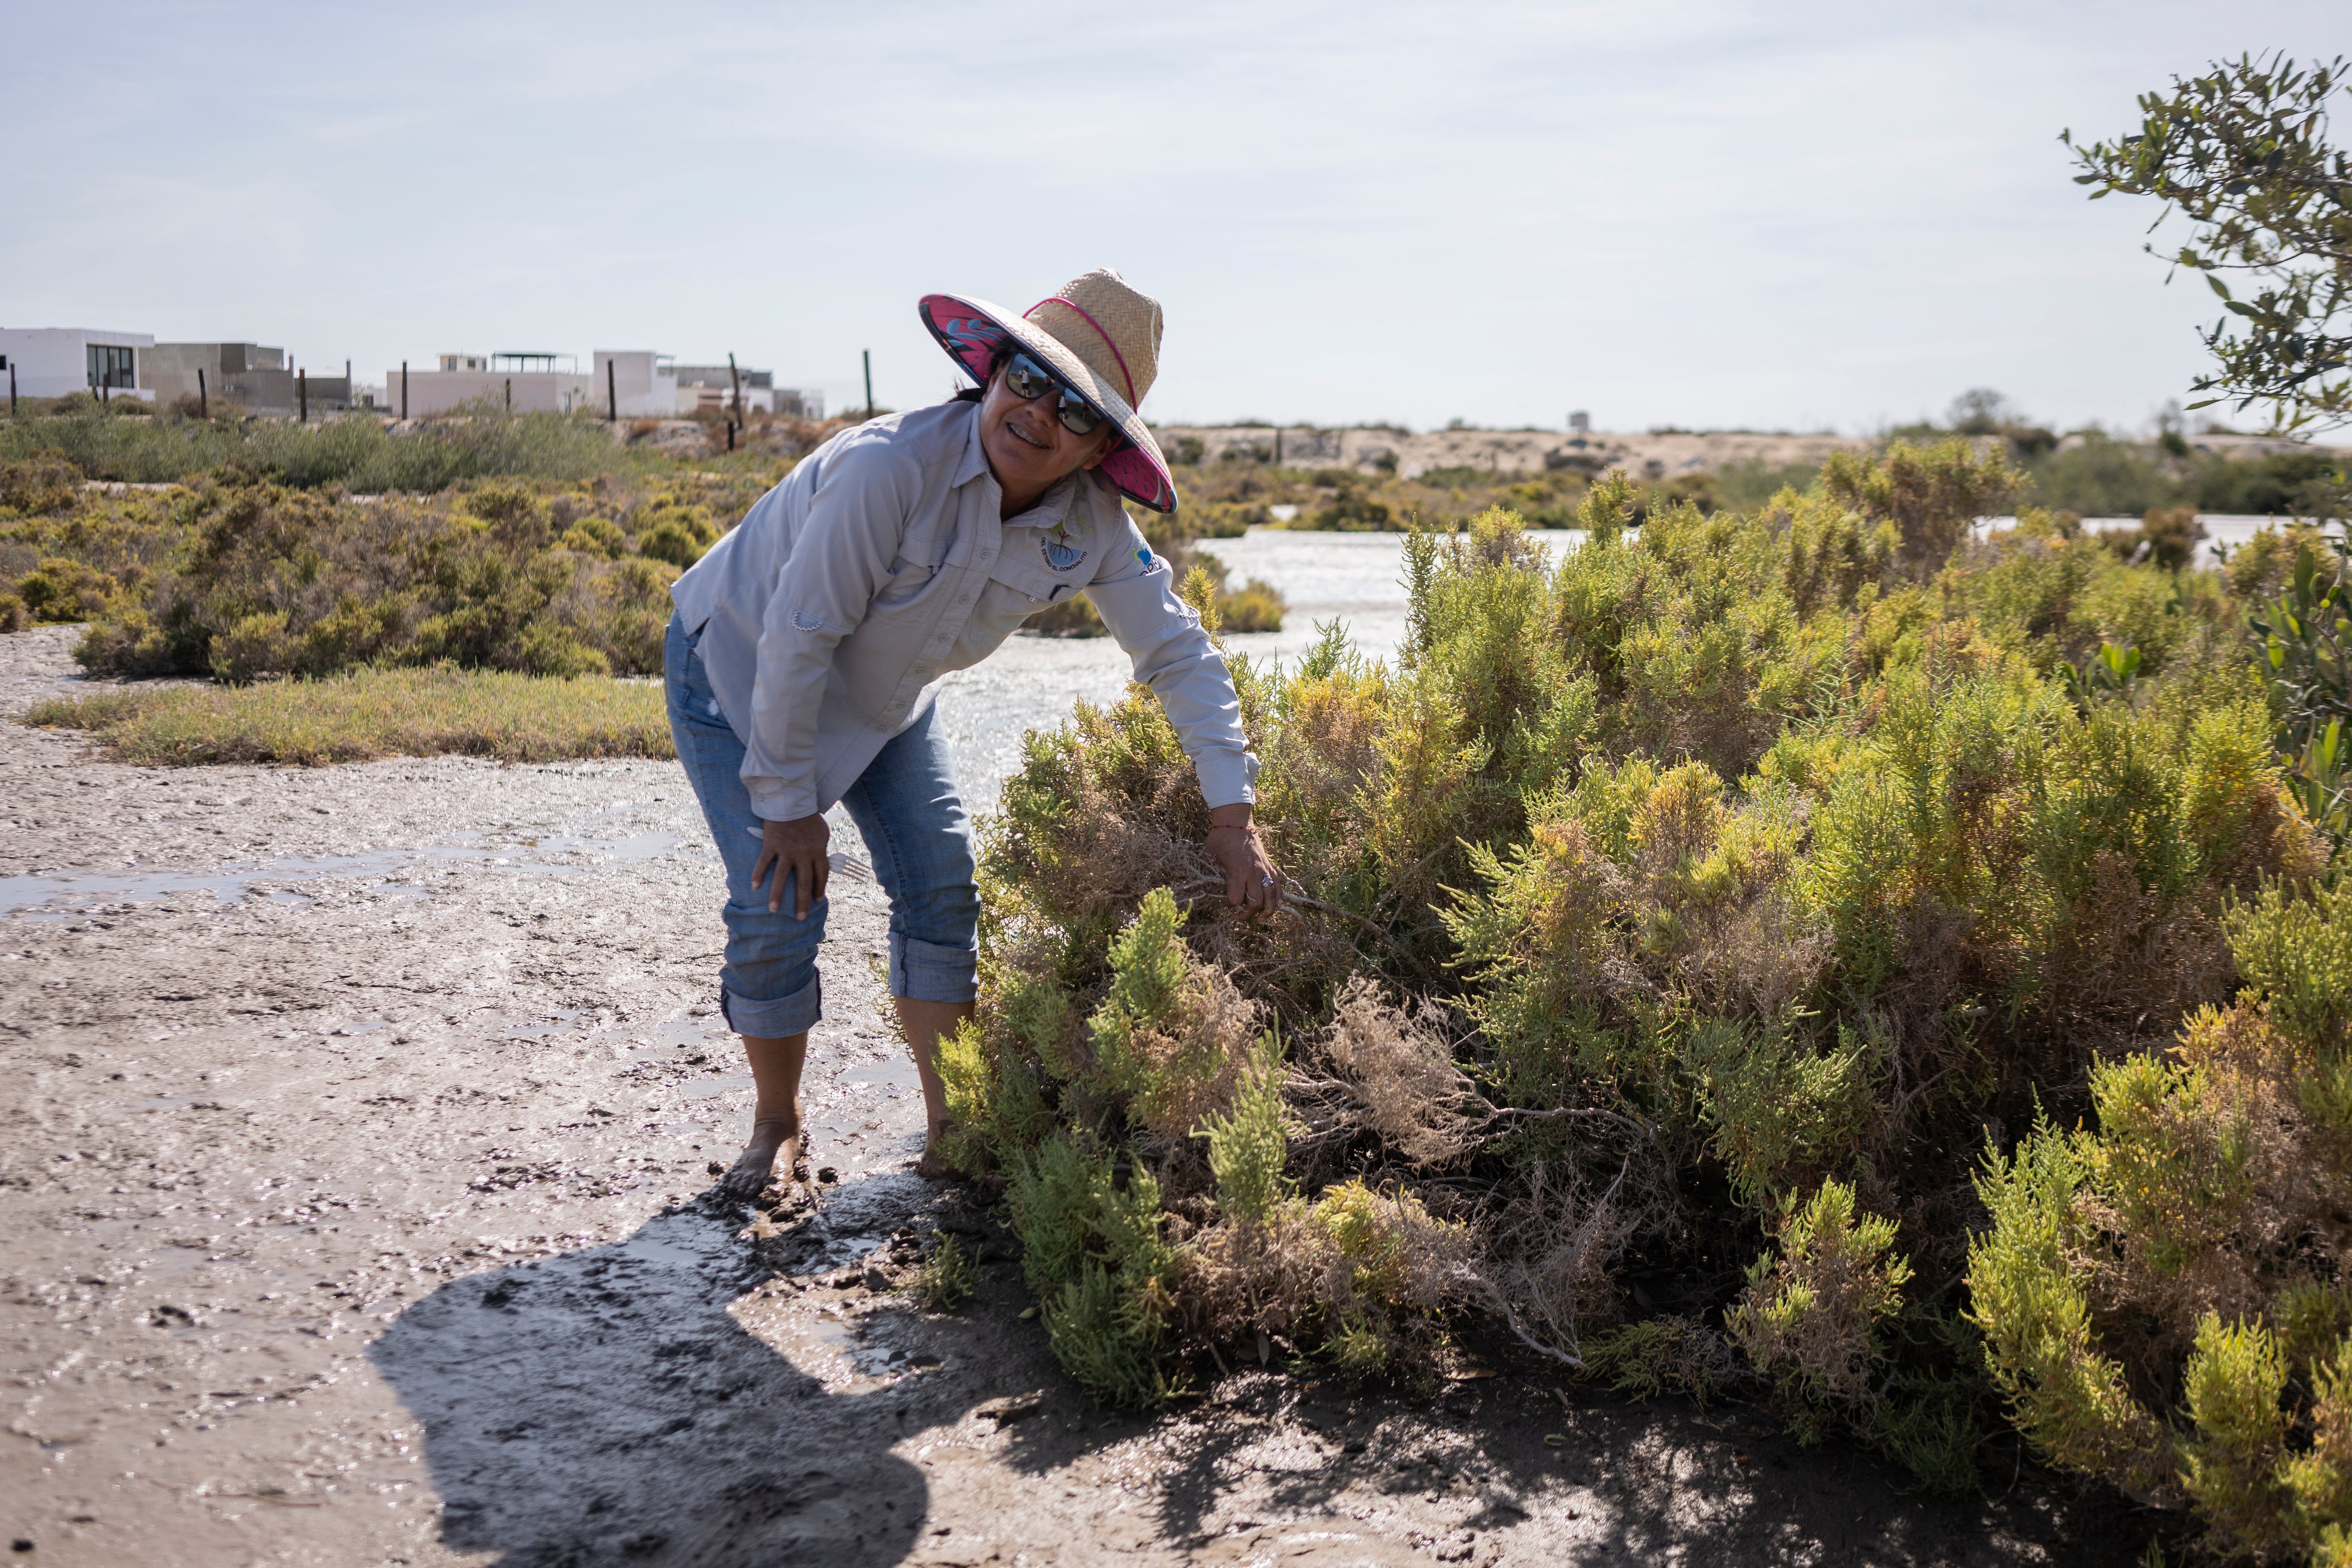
1642	1483
603	1405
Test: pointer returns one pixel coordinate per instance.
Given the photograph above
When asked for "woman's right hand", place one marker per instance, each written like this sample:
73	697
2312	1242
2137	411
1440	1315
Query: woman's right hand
793	849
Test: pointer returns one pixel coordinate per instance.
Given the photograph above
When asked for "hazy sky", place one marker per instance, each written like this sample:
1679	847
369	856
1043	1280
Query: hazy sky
1697	214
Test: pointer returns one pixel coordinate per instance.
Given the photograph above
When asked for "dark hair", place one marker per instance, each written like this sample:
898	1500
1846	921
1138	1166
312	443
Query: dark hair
975	393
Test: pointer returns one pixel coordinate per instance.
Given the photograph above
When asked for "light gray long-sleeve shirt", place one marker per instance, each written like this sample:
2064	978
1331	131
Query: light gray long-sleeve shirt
880	564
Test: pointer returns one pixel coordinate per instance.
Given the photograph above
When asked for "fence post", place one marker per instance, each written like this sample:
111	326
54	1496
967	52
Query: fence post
736	382
510	394
612	396
403	392
12	392
302	392
867	354
204	396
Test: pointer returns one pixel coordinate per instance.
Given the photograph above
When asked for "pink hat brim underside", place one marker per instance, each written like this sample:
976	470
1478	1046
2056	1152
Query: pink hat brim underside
973	340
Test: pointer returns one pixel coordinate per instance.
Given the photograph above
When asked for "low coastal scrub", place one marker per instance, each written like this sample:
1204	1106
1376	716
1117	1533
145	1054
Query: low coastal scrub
246	577
130	442
2089	473
246	581
367	714
1687	936
1230	497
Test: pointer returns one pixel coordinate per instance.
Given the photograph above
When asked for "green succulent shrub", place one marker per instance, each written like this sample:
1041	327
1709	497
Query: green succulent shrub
1696	901
2163	1295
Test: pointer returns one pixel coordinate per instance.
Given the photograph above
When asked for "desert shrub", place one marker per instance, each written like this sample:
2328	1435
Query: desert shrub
1353	506
358	453
61	589
2096	476
262	582
37	485
1664	1355
2172	533
1701	900
1093	1251
1811	1317
1249	1142
1931	494
1257	607
2164	1295
675	531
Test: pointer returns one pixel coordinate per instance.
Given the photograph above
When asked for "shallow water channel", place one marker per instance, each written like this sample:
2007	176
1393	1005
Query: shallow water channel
1356	579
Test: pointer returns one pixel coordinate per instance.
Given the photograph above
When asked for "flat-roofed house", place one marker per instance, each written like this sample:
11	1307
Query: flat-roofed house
702	386
245	378
637	381
51	362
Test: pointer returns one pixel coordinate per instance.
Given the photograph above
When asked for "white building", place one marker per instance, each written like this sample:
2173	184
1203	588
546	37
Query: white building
715	386
624	383
51	362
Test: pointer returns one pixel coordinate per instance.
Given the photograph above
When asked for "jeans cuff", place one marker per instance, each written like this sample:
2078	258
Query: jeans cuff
773	1020
927	972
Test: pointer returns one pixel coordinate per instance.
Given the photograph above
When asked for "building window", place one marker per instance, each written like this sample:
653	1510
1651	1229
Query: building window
109	366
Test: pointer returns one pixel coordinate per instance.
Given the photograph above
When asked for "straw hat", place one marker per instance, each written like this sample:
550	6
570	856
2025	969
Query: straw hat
1097	334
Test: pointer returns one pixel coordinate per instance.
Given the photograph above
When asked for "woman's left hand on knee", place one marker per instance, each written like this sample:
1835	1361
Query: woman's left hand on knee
794	852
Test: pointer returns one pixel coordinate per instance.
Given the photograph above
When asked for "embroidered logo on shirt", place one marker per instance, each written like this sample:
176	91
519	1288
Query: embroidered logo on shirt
1144	556
1060	554
804	621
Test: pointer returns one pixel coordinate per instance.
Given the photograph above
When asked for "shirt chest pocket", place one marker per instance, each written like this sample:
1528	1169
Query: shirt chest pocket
920	559
1022	567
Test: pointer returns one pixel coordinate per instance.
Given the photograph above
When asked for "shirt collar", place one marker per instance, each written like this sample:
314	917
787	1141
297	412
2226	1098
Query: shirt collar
1052	508
974	463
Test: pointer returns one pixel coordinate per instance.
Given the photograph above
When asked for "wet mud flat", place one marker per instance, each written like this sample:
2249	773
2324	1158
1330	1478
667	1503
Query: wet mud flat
359	1131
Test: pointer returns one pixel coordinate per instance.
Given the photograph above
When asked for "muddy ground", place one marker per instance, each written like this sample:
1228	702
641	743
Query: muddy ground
359	1123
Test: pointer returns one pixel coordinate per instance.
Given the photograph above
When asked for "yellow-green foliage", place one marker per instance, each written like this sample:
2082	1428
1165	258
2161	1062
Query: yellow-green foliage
1758	869
1388	1269
1148	970
370	714
1171	1034
948	1278
1383	1237
246	581
1249	1144
2165	1293
1661	1355
2297	951
1810	1315
1093	1252
1930	494
992	1101
2074	1403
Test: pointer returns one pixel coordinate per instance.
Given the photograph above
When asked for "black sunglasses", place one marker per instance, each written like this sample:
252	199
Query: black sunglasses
1029	381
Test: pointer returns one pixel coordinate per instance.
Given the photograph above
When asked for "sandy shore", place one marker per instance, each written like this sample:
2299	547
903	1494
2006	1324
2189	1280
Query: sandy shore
359	1123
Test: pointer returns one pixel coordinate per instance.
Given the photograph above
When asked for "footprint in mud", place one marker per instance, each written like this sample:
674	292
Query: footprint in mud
603	1404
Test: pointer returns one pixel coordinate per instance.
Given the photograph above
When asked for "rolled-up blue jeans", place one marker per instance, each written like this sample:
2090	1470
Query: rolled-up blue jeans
905	805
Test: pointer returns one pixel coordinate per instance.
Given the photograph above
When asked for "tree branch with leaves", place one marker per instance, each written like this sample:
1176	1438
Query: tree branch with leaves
2242	153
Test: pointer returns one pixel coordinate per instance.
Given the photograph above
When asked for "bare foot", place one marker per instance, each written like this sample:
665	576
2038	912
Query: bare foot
770	1138
935	1166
